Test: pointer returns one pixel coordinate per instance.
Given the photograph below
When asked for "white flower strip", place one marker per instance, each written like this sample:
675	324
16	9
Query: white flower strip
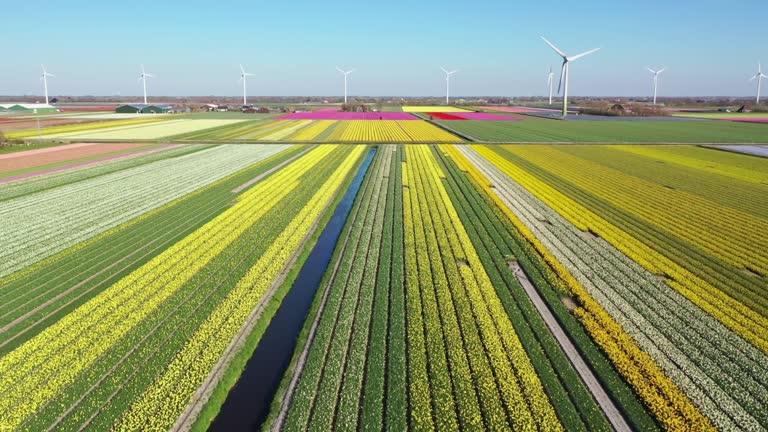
39	225
724	375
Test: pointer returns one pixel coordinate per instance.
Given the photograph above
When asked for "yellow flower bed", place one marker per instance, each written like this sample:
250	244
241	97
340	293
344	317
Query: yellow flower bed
423	131
665	400
36	371
435	234
311	132
161	404
27	133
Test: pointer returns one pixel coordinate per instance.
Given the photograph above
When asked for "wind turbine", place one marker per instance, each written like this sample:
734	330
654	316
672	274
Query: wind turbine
44	78
655	80
564	72
448	82
143	78
550	83
759	76
345	73
244	74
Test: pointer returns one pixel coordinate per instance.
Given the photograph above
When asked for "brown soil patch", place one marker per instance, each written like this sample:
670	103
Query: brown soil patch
52	155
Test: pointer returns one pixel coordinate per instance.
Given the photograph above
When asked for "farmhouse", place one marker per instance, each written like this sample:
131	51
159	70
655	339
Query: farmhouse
144	109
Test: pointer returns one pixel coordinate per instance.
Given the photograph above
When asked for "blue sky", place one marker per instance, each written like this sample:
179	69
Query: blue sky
710	47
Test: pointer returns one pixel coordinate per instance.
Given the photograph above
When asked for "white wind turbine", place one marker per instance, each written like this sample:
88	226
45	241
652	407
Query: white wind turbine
345	73
655	80
143	78
244	74
564	72
759	76
550	83
448	82
44	78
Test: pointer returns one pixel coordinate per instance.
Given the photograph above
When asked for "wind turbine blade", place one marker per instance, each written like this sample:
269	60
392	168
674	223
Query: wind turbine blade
557	50
351	70
577	56
753	78
562	74
651	70
443	69
339	69
50	74
241	69
662	70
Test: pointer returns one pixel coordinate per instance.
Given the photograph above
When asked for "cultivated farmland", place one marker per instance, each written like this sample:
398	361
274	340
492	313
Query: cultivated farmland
474	286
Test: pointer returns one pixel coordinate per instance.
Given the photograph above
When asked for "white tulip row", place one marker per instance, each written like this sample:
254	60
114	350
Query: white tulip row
725	376
39	225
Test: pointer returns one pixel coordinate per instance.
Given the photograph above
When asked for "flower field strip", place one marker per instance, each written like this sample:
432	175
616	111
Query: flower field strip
486	116
726	233
328	115
312	131
422	131
266	129
110	386
374	131
164	401
88	161
700	277
668	404
534	130
428	109
446	252
662	397
46	291
49	181
81	127
741	167
444	116
225	132
148	131
38	160
69	214
284	132
727	191
489	231
718	370
338	131
336	363
168	273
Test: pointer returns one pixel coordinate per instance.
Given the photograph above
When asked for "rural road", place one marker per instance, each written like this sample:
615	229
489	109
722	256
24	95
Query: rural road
609	408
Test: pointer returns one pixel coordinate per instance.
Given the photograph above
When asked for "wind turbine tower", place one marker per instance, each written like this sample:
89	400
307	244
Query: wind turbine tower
44	78
655	81
759	77
244	74
143	78
550	83
345	73
564	71
448	82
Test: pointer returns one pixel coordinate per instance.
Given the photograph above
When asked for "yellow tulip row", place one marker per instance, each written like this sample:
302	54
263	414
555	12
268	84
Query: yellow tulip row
731	312
312	131
161	404
666	401
374	130
26	133
734	236
281	133
508	388
731	165
421	131
43	366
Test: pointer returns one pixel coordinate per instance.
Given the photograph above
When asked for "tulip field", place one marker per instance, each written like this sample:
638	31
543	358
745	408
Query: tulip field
474	286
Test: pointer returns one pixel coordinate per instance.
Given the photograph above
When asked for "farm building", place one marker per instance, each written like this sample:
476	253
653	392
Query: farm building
11	106
144	109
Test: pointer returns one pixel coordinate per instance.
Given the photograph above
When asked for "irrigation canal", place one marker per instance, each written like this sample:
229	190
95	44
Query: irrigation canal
247	405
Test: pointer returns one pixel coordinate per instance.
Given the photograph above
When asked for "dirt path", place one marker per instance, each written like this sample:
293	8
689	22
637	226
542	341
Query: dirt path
612	413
